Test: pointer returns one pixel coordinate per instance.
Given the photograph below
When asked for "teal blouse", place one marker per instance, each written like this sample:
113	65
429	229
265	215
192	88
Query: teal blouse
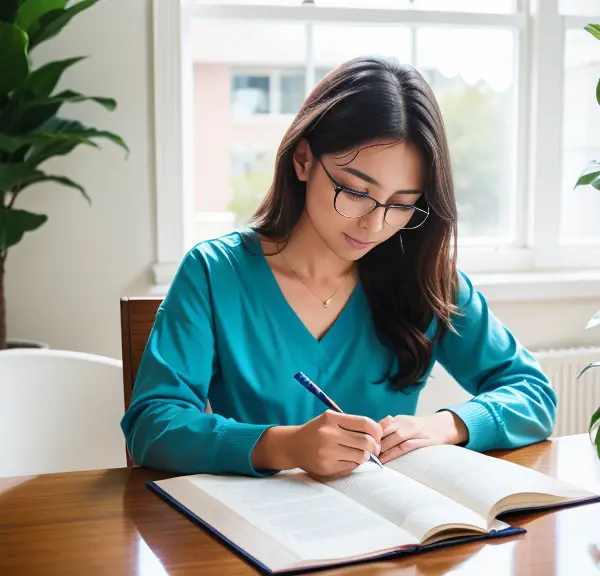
225	333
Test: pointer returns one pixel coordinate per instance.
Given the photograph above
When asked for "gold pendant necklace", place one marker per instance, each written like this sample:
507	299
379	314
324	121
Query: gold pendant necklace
324	302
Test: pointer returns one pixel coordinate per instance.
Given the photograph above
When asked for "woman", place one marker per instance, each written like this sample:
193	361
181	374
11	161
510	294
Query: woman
349	275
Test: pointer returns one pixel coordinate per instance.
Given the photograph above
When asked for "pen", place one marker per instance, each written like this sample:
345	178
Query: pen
307	383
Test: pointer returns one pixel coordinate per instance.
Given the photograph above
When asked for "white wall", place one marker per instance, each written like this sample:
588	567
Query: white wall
65	280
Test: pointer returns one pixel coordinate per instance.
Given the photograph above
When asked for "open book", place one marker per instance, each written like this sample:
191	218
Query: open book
431	497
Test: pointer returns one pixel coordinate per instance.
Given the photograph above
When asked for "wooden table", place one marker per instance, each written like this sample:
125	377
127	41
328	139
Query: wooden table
108	522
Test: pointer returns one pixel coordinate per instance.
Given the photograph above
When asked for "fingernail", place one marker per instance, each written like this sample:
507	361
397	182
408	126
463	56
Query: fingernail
378	450
367	456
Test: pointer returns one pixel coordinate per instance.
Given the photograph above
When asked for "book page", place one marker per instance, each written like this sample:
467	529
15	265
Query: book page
480	482
405	502
292	511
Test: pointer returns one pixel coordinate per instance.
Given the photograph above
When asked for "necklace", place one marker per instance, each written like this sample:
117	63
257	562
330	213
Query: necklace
324	302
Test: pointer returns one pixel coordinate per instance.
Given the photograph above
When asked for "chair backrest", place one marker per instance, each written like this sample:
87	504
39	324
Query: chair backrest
137	319
60	411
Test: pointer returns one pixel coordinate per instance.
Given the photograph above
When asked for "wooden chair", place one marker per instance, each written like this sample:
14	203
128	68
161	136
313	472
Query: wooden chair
137	319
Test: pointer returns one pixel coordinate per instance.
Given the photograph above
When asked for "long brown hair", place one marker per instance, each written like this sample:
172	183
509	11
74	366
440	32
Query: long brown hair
411	279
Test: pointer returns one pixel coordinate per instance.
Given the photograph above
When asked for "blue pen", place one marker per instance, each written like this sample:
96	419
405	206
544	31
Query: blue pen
305	381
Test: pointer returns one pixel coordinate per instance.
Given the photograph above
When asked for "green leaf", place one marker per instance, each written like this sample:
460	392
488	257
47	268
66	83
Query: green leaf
592	365
42	177
12	174
595	419
114	138
14	62
14	224
30	12
594	321
598	92
51	23
73	133
31	115
43	80
11	144
70	96
69	130
590	174
9	10
594	30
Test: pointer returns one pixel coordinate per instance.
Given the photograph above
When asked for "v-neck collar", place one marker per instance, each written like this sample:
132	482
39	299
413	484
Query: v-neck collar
318	352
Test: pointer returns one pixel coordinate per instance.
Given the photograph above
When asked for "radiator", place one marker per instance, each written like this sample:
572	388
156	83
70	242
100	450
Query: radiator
577	399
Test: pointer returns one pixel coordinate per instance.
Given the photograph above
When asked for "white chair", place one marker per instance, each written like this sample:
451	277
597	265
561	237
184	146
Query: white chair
60	411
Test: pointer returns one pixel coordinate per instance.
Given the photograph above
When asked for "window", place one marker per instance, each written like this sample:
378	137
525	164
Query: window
580	216
520	127
292	92
250	94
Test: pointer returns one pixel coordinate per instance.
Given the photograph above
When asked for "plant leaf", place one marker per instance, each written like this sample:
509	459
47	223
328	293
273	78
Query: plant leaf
51	23
31	115
14	62
592	365
70	96
69	134
595	418
30	12
114	138
42	177
598	92
12	174
14	224
594	30
10	144
590	173
43	80
594	321
593	422
9	10
74	133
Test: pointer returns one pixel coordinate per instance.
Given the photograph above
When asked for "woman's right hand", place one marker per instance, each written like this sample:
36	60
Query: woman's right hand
327	445
335	443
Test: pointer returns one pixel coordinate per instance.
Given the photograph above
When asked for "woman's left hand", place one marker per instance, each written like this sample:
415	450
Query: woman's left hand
402	434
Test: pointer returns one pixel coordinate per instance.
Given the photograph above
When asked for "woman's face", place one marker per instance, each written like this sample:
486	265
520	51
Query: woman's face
391	173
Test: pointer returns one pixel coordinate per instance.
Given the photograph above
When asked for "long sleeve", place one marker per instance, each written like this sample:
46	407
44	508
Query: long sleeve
165	426
513	403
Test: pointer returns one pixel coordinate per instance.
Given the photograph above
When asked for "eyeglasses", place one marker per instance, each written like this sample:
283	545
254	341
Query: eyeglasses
355	204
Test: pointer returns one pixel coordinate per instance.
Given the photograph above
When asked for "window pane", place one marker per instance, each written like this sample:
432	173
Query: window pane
292	92
579	7
250	94
252	173
471	72
581	136
240	88
334	44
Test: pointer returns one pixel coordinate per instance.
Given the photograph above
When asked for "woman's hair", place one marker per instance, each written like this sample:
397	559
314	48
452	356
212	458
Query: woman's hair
408	279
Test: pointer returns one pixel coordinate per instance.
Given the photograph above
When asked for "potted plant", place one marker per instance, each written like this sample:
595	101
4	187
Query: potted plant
591	177
31	129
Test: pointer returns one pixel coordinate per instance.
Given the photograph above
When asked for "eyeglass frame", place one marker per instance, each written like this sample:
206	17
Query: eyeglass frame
341	187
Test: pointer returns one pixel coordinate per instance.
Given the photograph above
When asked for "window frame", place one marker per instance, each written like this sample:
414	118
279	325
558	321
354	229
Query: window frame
540	35
274	74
